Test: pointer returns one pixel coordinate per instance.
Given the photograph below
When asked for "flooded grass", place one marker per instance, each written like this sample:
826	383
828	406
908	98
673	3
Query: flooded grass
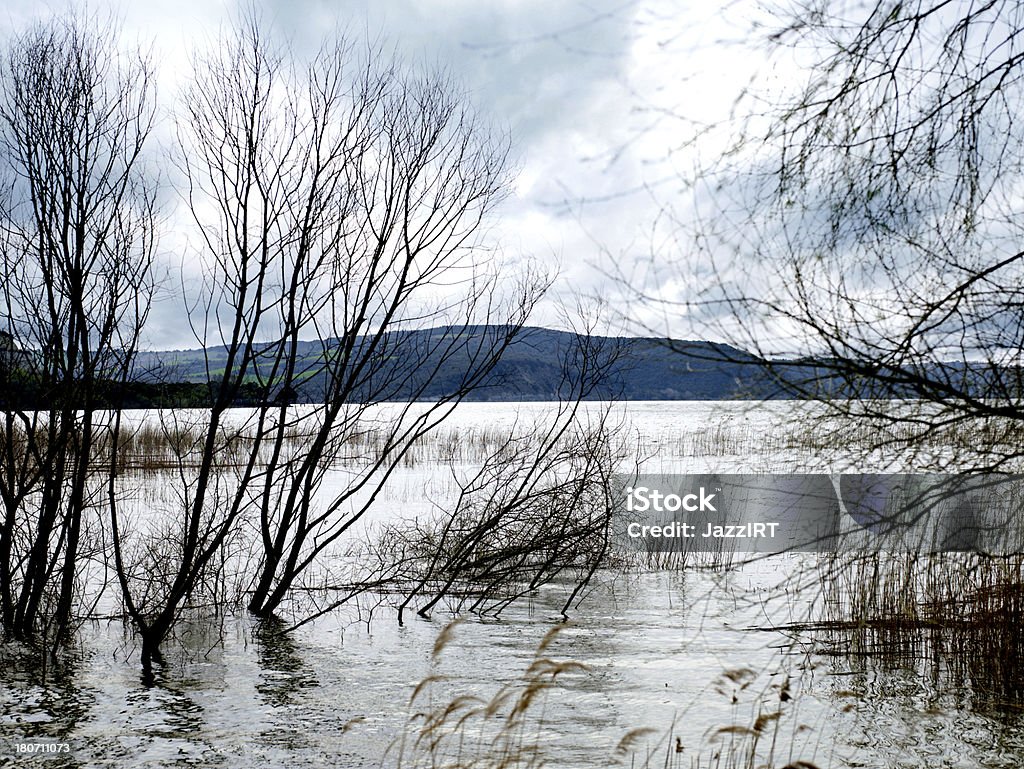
955	619
156	444
954	590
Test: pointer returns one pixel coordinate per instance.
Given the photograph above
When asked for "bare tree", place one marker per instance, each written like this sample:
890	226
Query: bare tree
862	227
76	249
341	207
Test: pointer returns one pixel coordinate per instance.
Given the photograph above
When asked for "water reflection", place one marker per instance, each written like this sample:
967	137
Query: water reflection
164	722
934	695
977	668
240	694
41	699
285	685
284	677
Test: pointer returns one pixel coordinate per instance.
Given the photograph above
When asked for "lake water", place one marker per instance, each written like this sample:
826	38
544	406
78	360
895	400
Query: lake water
691	656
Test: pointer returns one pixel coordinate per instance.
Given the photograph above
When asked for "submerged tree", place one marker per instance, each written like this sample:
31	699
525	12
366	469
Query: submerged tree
341	206
538	507
77	233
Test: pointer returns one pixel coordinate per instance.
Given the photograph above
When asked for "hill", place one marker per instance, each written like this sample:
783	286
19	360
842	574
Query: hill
531	368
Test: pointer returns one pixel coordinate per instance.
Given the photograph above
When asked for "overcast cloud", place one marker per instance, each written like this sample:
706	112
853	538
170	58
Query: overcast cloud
598	96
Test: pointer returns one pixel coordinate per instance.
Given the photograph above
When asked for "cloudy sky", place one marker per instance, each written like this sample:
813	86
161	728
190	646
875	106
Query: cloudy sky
600	97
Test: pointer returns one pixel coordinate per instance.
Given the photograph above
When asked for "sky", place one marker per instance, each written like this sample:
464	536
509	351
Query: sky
599	96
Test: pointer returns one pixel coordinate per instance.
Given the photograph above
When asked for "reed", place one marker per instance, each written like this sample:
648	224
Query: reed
501	731
956	619
511	728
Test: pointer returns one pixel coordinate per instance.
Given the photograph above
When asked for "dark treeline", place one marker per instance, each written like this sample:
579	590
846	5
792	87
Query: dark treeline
530	369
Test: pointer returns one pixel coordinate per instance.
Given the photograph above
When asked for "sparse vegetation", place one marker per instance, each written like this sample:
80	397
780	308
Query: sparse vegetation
507	728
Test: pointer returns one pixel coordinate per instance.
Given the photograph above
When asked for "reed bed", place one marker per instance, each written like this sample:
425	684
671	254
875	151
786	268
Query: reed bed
156	446
806	438
955	589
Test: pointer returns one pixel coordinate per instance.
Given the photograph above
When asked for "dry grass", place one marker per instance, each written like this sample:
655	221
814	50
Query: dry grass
509	729
469	731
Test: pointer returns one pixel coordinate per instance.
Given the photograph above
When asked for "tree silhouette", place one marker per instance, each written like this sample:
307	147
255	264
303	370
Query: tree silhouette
77	234
861	234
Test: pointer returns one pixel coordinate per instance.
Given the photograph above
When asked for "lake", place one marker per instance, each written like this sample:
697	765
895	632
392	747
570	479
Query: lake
708	660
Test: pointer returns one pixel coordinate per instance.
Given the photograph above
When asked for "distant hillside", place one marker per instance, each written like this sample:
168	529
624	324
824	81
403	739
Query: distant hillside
408	366
531	369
